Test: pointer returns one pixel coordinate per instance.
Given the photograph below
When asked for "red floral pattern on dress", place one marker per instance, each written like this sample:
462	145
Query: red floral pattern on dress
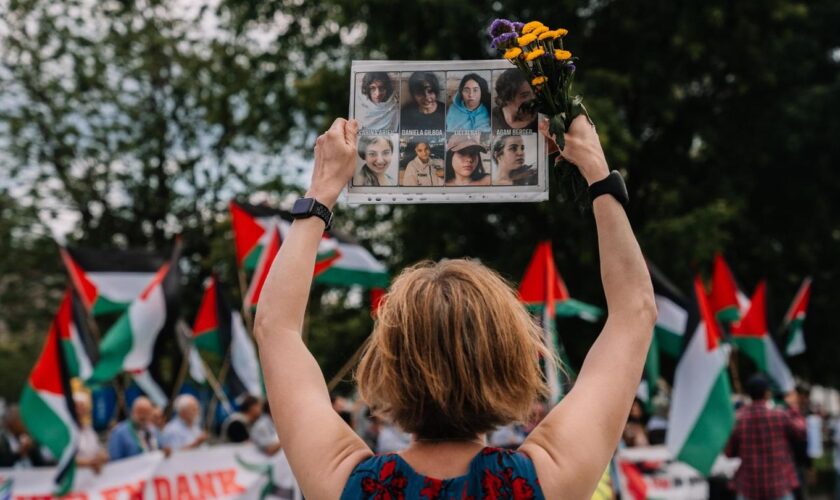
495	474
390	486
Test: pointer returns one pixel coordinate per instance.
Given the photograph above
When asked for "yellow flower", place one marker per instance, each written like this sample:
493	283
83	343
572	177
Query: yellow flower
562	55
539	80
539	30
531	27
561	32
513	53
526	39
550	35
530	56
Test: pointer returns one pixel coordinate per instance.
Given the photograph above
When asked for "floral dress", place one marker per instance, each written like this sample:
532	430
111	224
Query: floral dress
494	474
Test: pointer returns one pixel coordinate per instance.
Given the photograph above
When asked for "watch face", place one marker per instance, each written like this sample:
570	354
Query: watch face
303	206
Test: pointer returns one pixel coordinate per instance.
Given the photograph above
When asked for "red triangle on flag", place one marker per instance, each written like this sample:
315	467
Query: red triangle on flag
84	286
724	293
800	302
207	317
46	374
754	322
246	232
713	334
542	281
252	296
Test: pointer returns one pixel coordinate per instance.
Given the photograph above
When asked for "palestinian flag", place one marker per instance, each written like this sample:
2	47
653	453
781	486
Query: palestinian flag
220	329
668	333
340	261
107	281
726	299
77	343
267	255
48	411
794	318
702	416
129	343
752	337
354	266
544	292
253	226
542	277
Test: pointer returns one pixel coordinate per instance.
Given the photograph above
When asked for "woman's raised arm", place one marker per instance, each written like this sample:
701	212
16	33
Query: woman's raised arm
573	445
322	449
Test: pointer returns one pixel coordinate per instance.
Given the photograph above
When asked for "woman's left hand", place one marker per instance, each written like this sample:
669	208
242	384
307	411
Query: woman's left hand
335	161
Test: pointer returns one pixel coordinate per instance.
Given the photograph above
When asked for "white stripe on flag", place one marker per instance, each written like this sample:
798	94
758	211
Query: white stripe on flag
672	317
243	357
144	380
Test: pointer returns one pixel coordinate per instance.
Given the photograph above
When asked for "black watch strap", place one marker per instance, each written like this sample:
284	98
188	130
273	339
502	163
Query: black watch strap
309	207
612	184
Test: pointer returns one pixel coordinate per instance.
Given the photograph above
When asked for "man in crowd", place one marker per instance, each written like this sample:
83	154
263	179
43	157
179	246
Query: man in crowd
184	430
237	427
762	439
137	434
90	452
17	449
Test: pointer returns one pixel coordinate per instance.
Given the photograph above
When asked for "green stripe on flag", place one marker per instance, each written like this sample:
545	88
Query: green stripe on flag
104	305
70	358
712	429
668	342
754	348
728	315
209	341
112	351
349	277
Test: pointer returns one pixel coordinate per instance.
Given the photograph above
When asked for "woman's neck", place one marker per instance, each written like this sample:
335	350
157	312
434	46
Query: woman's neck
442	458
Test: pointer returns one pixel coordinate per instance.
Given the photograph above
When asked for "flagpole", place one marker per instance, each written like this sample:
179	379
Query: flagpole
179	381
219	394
348	365
246	313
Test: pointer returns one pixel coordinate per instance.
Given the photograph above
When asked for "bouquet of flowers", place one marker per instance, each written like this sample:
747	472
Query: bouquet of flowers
539	54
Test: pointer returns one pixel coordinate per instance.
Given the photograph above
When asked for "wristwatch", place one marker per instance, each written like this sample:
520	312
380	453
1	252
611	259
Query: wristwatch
612	184
308	207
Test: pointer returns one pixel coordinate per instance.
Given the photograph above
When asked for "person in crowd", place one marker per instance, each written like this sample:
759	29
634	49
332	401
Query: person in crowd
264	437
634	431
90	452
470	109
453	355
237	427
17	448
184	431
263	433
514	102
509	159
377	153
377	107
422	170
463	164
425	111
762	439
137	434
657	425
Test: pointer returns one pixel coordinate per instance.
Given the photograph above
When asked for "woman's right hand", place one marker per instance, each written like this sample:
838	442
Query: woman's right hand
335	161
583	148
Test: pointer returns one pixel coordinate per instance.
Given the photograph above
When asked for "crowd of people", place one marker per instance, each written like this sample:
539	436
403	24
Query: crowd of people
777	439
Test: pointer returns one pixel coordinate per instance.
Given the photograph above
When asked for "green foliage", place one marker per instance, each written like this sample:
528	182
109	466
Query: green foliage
722	115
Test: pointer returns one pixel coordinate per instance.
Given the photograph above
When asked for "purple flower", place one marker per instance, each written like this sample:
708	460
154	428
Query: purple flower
517	26
502	41
571	68
498	27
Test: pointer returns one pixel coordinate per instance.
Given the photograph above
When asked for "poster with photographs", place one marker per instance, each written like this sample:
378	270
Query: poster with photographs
445	132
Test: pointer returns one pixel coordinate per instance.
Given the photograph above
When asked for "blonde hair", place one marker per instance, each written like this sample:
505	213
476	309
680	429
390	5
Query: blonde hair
453	352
